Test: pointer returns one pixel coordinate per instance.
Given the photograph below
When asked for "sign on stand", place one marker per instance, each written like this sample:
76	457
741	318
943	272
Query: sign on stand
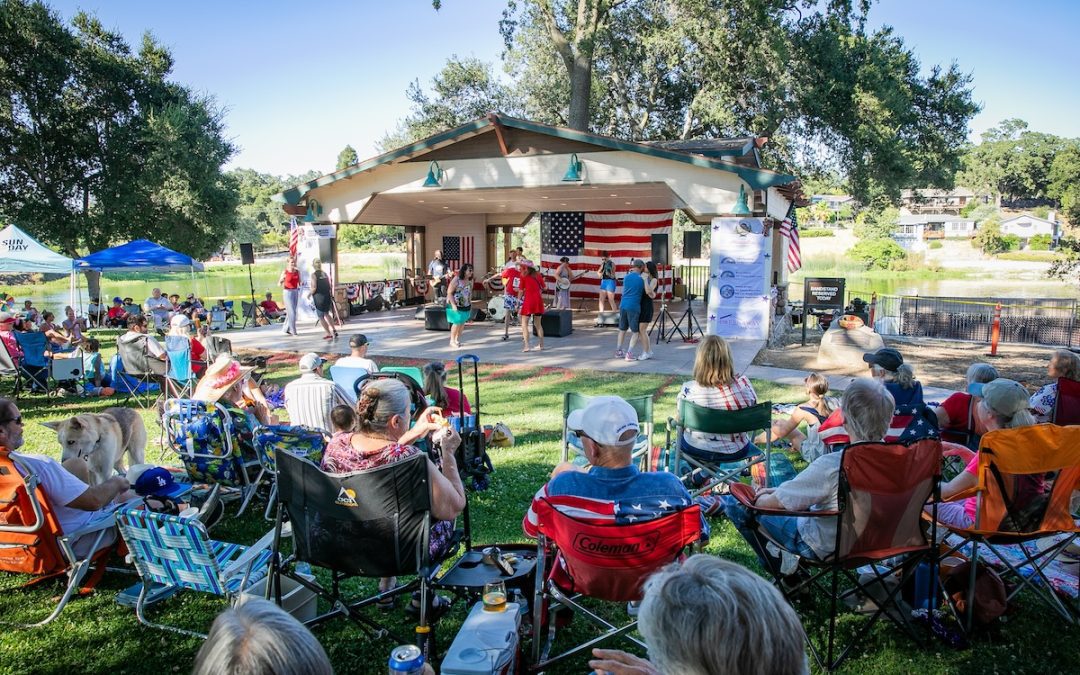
821	293
739	279
307	251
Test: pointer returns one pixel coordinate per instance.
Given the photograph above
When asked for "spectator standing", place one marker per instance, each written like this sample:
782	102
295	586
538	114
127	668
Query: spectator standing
630	310
290	284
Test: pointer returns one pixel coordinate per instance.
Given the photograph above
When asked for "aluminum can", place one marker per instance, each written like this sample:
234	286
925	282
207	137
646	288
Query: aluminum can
406	660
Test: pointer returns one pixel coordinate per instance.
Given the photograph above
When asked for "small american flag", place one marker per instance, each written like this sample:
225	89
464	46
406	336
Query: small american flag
790	230
294	236
458	251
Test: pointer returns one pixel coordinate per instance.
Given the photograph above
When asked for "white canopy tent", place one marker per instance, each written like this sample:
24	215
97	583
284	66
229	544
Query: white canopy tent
19	252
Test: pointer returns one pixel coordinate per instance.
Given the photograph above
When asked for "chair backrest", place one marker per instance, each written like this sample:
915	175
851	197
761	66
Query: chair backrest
201	434
372	523
642	405
7	363
170	550
715	421
346	377
1067	405
134	354
1026	478
611	562
301	441
248	309
33	345
216	346
883	488
411	371
28	527
178	351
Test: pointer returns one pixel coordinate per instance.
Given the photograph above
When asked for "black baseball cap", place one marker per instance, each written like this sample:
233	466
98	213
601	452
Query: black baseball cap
886	357
358	340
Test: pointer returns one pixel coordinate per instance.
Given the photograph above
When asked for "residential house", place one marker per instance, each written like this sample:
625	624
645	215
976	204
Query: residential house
936	201
1027	226
914	231
834	202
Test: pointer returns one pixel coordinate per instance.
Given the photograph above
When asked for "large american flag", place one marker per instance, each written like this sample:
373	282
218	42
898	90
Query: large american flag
458	251
294	236
789	229
582	237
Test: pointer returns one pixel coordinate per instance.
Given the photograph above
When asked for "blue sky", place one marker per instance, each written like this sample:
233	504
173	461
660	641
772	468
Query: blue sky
299	81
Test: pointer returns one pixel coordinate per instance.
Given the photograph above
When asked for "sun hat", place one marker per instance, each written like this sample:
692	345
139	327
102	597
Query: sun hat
179	321
220	376
886	357
1003	396
605	419
310	362
525	262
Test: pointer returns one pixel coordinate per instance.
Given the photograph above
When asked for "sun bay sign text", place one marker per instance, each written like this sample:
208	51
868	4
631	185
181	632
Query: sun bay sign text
821	294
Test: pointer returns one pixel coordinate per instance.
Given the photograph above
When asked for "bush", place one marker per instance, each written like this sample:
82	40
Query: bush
877	253
1031	256
1012	242
816	232
1039	242
935	244
876	225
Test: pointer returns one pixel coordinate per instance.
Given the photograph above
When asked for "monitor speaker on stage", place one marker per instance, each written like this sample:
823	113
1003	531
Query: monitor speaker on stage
326	250
247	254
691	244
660	249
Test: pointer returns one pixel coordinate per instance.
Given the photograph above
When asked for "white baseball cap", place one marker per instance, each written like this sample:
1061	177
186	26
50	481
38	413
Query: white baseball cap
604	420
310	362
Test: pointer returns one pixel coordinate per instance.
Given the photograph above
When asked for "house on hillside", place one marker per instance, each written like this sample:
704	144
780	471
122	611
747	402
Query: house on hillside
914	231
834	202
937	201
1027	226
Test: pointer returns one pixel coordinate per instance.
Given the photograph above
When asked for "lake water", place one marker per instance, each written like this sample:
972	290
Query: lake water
965	288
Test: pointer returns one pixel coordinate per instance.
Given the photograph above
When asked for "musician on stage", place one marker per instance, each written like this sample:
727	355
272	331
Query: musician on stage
563	278
531	298
511	279
437	270
459	303
607	281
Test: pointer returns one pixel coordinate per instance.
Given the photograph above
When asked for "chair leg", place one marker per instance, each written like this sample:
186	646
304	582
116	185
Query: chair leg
141	615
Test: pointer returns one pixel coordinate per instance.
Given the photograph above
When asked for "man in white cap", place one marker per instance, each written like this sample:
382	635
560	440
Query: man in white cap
612	490
310	398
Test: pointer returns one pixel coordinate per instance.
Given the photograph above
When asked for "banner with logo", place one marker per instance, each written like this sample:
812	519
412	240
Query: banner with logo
739	291
307	252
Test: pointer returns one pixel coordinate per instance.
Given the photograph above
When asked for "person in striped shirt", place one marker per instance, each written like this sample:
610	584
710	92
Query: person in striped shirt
715	385
310	398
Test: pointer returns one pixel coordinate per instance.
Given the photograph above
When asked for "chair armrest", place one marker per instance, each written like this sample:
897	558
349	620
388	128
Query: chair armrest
671	424
241	564
746	496
964	494
103	524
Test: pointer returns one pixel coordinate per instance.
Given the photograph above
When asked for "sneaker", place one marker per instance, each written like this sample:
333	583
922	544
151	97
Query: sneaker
710	504
645	357
619	353
630	356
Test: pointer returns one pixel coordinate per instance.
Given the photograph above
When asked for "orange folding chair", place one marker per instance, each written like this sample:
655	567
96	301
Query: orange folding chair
882	490
579	559
32	542
1026	478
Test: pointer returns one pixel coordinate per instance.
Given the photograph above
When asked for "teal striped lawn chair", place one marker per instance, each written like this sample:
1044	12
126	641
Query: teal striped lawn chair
301	441
178	552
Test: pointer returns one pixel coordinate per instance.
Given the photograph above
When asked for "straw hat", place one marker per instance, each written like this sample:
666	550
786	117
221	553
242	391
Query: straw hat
220	376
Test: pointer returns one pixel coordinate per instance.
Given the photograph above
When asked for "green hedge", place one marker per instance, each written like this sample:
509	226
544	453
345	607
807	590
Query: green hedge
816	232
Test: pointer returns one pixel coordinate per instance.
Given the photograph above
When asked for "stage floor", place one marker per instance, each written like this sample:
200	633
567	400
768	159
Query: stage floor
398	333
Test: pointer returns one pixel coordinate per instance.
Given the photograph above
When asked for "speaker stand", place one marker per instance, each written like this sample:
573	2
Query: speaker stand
664	317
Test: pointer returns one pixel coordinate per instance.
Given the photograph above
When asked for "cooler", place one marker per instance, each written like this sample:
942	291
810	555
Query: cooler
487	643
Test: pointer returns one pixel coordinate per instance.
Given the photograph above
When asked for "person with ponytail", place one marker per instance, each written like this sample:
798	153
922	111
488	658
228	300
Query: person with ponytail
1003	405
440	395
887	365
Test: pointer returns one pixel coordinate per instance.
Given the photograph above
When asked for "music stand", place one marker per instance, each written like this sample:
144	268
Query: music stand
665	317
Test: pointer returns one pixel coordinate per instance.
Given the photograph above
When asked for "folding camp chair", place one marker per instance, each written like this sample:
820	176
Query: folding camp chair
34	365
8	369
578	559
32	542
881	493
1026	478
177	552
712	472
180	368
251	313
204	437
642	405
373	523
411	371
346	378
1067	404
298	440
136	365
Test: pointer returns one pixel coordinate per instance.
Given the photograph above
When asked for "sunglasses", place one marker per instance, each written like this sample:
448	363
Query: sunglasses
581	434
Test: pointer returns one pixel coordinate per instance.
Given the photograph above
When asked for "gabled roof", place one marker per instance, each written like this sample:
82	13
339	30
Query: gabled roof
1028	216
710	147
757	179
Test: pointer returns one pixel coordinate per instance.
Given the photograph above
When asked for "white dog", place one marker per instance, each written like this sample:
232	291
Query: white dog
102	439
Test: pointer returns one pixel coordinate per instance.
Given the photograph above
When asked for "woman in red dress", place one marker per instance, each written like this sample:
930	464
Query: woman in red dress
531	298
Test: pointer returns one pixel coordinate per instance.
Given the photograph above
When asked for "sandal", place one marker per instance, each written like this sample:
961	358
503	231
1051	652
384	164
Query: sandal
386	604
440	605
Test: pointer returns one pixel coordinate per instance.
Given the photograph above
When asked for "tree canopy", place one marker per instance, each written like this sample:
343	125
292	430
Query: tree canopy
97	145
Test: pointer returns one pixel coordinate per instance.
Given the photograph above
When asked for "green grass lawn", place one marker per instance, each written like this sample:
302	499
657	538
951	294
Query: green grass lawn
95	635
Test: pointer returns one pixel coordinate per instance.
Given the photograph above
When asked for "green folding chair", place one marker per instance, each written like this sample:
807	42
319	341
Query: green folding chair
411	371
693	417
642	405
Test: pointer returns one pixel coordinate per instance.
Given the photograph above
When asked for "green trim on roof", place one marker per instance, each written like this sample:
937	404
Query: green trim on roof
757	179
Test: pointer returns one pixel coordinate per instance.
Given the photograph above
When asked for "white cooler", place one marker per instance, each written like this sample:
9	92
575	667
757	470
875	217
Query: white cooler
487	643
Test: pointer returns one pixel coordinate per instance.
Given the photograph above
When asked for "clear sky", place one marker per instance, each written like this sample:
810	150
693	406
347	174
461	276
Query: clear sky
299	81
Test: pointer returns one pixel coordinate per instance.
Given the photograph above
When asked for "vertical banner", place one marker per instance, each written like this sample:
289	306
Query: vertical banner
739	279
307	251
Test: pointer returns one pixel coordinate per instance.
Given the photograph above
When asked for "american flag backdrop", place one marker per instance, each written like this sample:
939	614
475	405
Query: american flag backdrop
789	229
582	237
294	236
458	251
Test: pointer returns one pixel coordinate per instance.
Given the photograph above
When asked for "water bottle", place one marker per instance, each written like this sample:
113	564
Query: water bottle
304	569
924	592
406	660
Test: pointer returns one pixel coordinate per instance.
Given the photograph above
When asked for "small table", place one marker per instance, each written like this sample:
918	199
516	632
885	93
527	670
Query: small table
470	572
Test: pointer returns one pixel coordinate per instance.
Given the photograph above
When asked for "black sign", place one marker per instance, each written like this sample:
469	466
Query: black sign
823	293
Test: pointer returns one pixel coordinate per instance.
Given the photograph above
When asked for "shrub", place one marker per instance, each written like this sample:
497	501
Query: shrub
1039	242
877	253
816	232
935	244
1012	242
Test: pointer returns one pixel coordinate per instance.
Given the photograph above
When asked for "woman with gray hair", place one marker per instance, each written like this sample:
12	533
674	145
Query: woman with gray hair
957	412
1063	364
710	616
257	637
868	410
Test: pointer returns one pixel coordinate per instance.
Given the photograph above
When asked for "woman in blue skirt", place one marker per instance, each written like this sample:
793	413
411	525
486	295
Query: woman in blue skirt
459	303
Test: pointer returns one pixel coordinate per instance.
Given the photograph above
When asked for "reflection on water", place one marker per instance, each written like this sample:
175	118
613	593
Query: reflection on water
956	288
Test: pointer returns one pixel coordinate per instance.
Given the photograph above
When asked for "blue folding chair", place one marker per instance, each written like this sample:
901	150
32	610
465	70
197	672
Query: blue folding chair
34	364
178	354
179	553
346	378
126	384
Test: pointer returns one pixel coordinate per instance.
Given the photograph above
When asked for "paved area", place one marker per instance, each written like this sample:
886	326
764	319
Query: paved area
399	333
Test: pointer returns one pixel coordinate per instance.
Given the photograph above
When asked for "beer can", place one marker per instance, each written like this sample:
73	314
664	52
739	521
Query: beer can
406	660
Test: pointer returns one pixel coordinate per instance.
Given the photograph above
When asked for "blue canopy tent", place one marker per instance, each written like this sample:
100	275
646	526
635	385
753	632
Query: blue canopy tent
137	255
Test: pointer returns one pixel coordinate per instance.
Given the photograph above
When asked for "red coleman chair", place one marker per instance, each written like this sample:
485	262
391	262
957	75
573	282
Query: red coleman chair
606	562
1067	404
881	494
32	543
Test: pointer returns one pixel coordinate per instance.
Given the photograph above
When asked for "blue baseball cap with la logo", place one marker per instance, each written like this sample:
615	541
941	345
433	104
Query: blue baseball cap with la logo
158	482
